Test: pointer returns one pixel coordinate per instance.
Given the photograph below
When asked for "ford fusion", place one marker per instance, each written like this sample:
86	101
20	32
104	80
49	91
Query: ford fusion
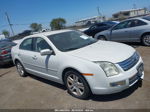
83	64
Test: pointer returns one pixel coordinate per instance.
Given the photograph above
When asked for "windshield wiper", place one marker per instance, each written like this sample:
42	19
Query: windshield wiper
72	48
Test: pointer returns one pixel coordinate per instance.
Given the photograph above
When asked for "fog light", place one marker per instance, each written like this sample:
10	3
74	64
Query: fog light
120	83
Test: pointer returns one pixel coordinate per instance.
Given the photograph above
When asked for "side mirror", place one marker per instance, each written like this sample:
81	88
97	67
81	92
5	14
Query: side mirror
46	52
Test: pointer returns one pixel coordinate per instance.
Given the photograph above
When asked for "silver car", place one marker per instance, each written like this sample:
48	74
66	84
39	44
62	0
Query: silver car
131	30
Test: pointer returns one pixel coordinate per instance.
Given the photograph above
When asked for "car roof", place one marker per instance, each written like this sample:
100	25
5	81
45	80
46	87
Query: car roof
139	18
52	32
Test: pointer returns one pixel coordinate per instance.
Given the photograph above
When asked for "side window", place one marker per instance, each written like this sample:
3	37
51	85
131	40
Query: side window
93	27
122	25
41	44
101	24
26	45
135	23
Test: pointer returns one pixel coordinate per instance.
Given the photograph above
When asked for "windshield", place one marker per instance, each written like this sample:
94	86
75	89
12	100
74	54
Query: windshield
71	40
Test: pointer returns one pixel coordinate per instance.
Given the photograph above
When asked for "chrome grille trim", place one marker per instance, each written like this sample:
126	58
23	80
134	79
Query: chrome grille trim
130	62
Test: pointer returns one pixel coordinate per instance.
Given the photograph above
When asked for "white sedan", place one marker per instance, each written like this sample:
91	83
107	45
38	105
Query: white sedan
83	64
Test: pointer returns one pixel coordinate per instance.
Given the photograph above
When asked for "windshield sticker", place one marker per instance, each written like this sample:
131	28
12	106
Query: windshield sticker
84	37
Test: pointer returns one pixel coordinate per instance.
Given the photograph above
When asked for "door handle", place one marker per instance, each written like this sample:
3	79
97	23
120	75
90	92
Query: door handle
34	57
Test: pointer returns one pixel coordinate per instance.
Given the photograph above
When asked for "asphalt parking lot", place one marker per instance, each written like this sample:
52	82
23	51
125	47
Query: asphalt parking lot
33	92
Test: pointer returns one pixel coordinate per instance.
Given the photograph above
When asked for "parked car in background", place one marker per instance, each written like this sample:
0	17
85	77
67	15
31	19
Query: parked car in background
131	30
80	62
25	33
6	39
5	51
98	27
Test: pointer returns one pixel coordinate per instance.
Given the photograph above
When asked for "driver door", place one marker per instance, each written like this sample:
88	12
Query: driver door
121	32
45	65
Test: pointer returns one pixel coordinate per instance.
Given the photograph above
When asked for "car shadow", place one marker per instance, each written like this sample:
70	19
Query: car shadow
48	82
117	96
133	44
102	98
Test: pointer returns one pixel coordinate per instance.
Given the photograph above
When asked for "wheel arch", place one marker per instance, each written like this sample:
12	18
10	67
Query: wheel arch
17	60
102	36
68	69
74	69
144	34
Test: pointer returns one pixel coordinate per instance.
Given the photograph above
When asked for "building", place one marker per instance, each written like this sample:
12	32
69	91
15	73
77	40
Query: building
2	37
130	13
89	21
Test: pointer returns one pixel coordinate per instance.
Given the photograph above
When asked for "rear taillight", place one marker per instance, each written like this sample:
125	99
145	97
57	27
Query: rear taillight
4	52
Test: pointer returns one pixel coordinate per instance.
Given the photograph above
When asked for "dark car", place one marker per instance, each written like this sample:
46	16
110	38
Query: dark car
6	40
5	51
25	33
98	27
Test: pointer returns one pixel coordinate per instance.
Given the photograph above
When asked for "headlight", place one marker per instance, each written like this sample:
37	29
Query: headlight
109	68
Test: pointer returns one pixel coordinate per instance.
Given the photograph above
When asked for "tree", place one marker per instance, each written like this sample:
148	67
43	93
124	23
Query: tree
57	23
36	27
6	33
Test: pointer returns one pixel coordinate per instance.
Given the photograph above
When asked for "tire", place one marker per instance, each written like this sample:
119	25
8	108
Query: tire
21	69
101	38
146	40
77	85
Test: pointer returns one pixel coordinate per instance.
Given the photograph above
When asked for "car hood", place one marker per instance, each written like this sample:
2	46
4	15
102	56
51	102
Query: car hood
104	51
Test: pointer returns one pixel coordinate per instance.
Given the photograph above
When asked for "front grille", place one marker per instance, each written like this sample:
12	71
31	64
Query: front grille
133	79
130	62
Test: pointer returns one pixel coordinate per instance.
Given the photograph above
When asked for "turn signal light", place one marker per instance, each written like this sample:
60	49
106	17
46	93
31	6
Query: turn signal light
86	74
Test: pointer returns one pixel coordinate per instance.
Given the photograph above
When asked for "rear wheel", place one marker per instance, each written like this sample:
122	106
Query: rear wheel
76	85
101	38
146	40
21	69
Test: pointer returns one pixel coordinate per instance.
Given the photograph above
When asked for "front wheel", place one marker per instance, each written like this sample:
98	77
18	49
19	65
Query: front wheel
101	38
76	85
146	40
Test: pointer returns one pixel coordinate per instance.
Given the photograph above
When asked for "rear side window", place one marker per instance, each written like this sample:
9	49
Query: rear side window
27	45
135	23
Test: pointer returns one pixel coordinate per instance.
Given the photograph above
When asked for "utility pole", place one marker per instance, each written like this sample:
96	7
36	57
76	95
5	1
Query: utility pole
100	15
134	8
8	19
99	11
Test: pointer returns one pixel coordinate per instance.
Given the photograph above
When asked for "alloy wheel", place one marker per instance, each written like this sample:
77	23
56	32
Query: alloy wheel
146	40
75	85
20	69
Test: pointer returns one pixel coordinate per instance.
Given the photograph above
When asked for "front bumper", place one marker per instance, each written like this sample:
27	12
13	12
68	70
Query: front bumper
101	85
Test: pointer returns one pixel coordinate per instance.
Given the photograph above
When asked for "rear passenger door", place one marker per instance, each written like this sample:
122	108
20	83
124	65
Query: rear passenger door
26	53
136	29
